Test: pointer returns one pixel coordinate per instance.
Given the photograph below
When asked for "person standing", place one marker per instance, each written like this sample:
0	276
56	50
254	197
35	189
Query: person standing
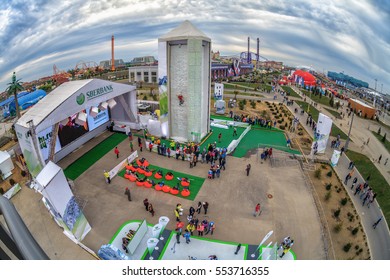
139	141
379	159
377	222
178	233
187	236
386	161
150	146
200	229
234	131
146	204
219	137
127	192
248	168
368	141
116	151
140	146
199	208
130	134
131	146
205	207
150	209
257	210
107	176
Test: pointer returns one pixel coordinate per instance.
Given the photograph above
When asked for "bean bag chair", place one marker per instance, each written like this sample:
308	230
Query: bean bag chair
169	177
146	163
127	176
132	178
147	185
157	187
166	188
147	174
157	176
140	171
128	167
174	191
185	184
139	162
139	184
185	193
132	168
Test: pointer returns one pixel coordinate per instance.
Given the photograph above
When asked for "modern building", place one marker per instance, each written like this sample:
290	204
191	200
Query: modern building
143	60
362	109
106	64
344	80
145	73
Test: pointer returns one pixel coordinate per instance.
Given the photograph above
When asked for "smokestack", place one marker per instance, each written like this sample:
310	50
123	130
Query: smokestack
248	57
258	53
112	54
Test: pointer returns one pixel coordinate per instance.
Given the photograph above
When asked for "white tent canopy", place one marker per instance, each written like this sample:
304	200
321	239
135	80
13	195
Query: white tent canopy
183	32
6	164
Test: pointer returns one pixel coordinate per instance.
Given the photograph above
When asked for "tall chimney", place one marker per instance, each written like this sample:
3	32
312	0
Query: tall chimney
258	53
112	54
248	57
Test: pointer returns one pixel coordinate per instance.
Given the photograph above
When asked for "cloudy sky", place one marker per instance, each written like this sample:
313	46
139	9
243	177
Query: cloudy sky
332	35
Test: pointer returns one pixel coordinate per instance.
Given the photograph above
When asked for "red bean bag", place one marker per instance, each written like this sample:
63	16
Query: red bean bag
157	176
157	188
132	168
139	162
140	171
128	167
147	185
147	174
139	184
169	177
132	178
146	163
174	191
185	193
185	184
127	176
166	188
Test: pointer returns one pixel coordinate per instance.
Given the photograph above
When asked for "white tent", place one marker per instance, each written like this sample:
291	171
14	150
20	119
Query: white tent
6	164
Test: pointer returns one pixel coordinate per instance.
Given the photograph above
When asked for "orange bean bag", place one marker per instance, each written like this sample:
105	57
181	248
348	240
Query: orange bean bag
166	188
146	163
138	162
157	176
127	176
139	184
174	191
132	168
147	185
128	167
169	177
147	174
132	178
185	184
140	171
185	193
157	188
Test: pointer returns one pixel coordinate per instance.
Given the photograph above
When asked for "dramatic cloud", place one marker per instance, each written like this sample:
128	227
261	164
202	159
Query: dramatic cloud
349	36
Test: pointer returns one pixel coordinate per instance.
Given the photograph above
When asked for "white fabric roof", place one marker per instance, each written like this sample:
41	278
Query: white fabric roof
4	155
183	32
61	102
362	103
47	174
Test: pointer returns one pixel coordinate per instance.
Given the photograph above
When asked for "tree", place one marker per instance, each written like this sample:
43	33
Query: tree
13	88
331	102
379	131
384	138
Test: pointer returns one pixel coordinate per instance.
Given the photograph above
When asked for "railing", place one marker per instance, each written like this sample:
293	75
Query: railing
19	241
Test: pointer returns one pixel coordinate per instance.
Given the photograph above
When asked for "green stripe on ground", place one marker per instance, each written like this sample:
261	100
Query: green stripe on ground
195	182
226	139
79	166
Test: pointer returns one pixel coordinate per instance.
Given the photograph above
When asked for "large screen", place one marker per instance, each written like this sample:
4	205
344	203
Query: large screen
94	122
71	130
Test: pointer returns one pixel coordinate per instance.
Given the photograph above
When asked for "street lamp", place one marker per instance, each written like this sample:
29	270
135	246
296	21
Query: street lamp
349	133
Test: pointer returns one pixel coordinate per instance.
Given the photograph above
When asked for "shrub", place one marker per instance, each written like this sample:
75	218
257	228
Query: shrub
329	174
347	247
12	182
328	186
145	97
317	173
280	121
241	105
244	101
337	228
23	173
337	213
323	166
253	104
1	191
344	201
328	195
379	131
282	127
154	96
357	247
355	230
384	138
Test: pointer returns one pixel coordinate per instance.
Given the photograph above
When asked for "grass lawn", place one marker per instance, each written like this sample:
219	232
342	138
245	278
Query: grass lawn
315	113
334	113
316	98
291	92
380	137
377	182
195	182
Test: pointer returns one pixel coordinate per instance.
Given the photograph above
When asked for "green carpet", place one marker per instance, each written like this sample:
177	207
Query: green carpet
80	165
195	182
270	138
226	139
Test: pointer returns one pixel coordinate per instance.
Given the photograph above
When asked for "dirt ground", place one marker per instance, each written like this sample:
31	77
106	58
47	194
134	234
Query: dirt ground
347	220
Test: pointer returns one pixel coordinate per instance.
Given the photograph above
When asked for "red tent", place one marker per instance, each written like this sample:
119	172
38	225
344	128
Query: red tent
309	79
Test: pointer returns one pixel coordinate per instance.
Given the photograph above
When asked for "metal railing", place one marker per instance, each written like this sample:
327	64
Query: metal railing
19	240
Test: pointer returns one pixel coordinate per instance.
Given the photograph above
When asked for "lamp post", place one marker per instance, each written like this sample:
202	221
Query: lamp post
349	133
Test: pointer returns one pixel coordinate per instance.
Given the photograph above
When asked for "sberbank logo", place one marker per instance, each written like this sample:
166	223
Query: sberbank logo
80	99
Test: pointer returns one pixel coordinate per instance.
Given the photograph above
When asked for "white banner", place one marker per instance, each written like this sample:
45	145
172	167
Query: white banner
156	230
113	172
324	126
151	244
44	142
163	220
335	158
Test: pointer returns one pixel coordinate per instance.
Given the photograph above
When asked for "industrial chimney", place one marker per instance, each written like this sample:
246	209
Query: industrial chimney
249	57
258	53
112	54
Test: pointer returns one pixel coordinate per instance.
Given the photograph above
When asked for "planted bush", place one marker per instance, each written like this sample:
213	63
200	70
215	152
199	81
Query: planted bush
344	201
337	213
347	247
328	186
329	174
355	231
317	173
337	228
328	195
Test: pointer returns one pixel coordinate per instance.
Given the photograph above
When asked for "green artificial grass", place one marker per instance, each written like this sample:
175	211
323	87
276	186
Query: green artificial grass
227	136
270	138
291	92
195	182
84	162
377	182
380	137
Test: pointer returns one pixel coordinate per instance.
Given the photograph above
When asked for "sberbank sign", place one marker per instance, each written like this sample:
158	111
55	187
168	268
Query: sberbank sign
80	99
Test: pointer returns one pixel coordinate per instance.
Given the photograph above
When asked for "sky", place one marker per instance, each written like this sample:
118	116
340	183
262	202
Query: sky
341	36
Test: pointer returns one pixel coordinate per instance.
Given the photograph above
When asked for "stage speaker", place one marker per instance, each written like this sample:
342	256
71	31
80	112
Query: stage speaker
81	118
111	103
